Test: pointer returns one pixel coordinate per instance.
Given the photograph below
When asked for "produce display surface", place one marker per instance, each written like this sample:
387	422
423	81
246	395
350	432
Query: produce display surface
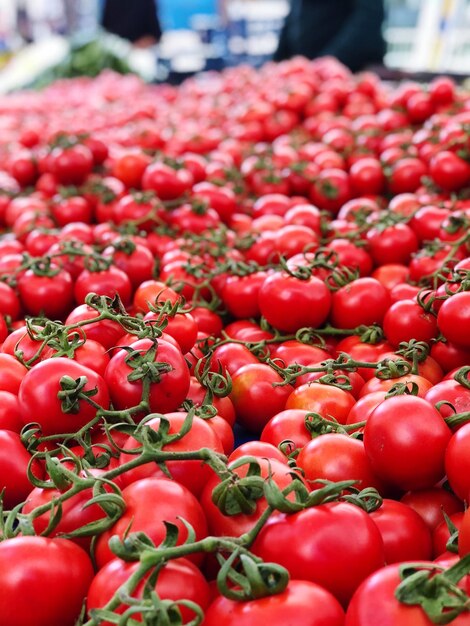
235	351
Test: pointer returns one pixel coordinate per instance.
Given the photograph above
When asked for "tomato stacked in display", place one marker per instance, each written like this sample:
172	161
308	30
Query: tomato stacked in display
235	351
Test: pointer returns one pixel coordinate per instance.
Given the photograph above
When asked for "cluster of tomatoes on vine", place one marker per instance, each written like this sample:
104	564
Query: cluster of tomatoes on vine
282	252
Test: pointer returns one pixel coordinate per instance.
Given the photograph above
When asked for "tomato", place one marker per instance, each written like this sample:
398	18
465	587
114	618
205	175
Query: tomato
43	581
314	544
71	165
331	189
133	259
240	295
289	426
337	457
255	397
454	319
405	534
392	244
39	400
327	400
169	384
75	513
407	320
450	391
347	304
106	332
129	168
12	373
367	177
191	474
175	502
405	439
106	282
236	525
456	462
441	534
166	182
449	171
180	326
309	603
177	580
406	175
49	294
375	603
14	460
431	503
10	417
153	292
289	303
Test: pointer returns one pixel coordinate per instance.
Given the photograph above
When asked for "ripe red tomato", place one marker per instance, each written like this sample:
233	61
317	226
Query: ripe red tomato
39	400
43	581
405	439
192	474
324	555
289	303
454	319
405	534
347	304
337	457
168	385
175	502
311	604
178	579
254	396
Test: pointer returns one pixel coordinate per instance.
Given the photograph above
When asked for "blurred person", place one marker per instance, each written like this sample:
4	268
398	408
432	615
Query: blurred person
350	30
135	20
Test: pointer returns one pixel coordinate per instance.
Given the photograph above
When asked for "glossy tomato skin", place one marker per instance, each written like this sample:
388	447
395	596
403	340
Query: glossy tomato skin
337	457
301	604
192	474
454	319
375	603
165	395
43	581
405	438
289	303
254	396
315	544
12	373
14	460
179	579
349	308
39	401
51	296
405	534
431	503
236	525
327	400
407	320
457	462
171	502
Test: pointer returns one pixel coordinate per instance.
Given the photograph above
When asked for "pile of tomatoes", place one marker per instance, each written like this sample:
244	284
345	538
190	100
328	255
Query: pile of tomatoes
235	351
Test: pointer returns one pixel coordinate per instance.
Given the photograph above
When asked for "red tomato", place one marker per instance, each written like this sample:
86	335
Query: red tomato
178	579
255	397
431	503
43	581
327	400
39	401
347	304
337	457
175	502
169	384
192	474
405	439
405	534
324	555
309	603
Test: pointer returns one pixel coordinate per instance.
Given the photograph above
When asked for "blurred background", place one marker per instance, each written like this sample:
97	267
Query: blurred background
188	36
